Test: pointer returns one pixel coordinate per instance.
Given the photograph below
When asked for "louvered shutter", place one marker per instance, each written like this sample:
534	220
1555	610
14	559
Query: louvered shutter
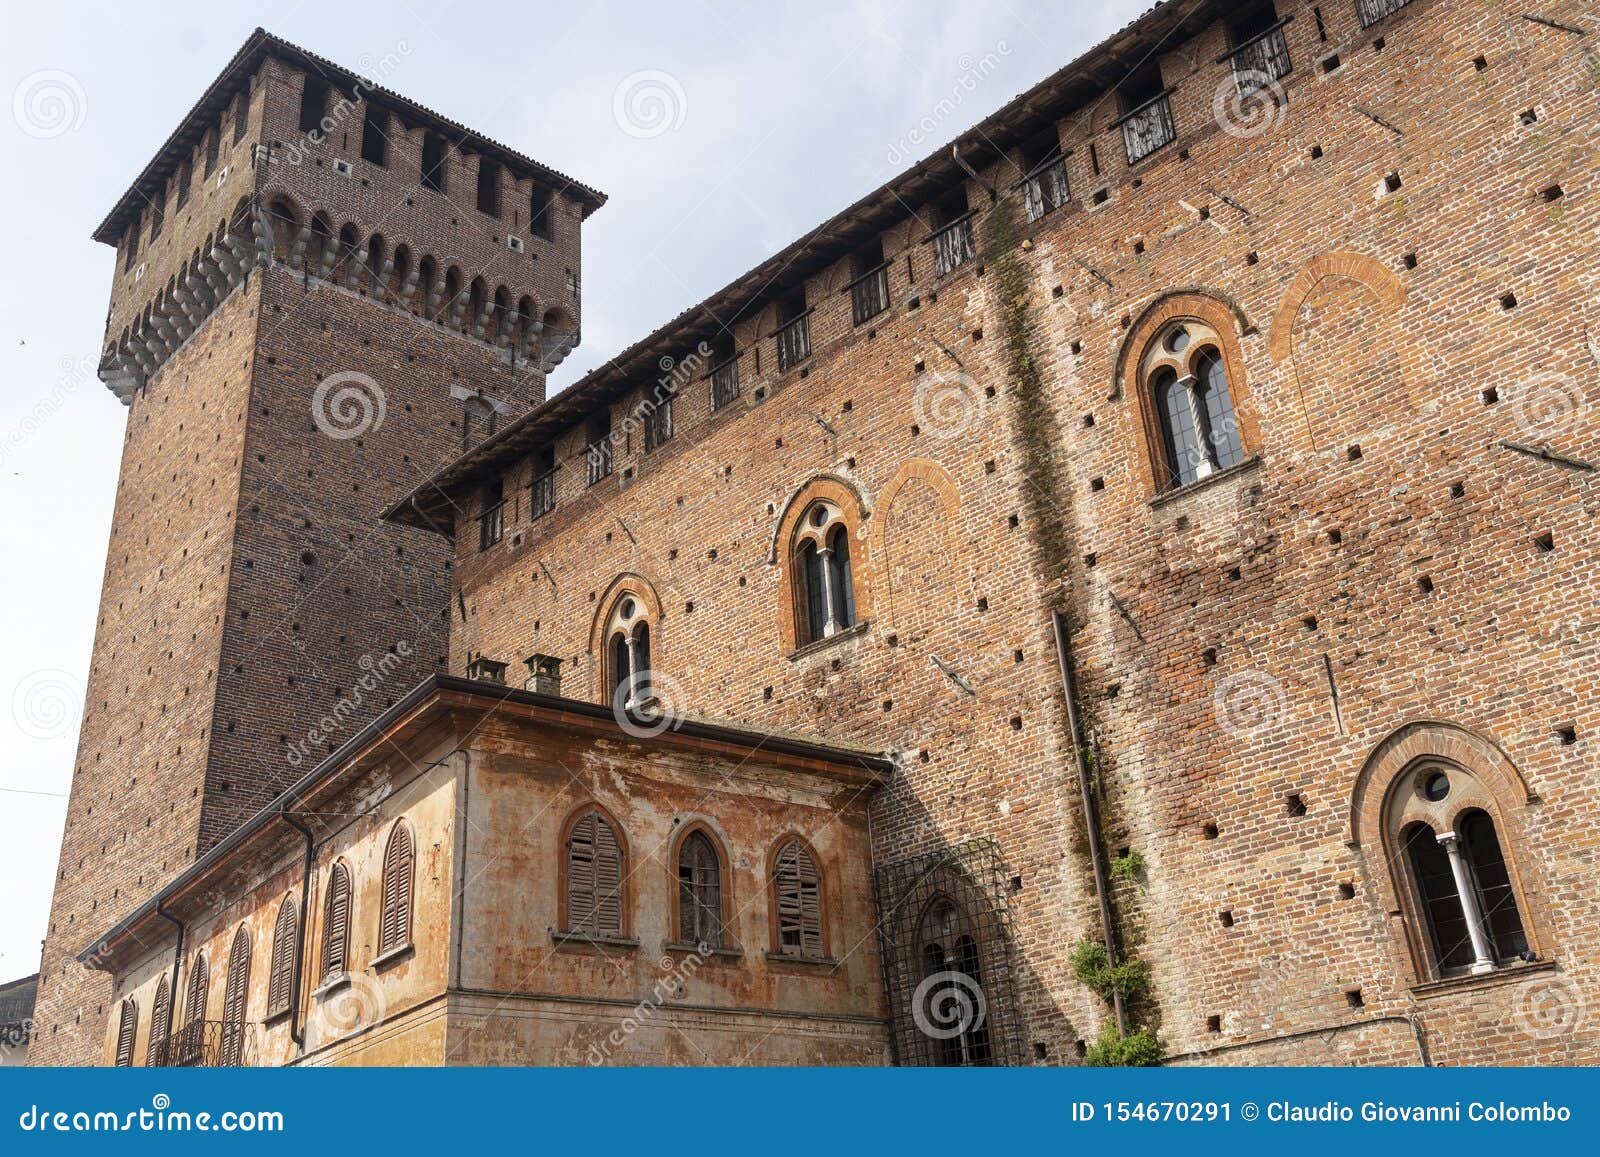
798	895
336	929
607	880
234	997
285	955
126	1028
581	875
160	1018
397	871
194	1004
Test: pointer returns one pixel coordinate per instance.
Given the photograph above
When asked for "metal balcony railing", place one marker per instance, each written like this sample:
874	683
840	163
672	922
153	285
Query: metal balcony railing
1045	189
869	294
205	1044
952	246
1261	60
794	341
724	383
1148	127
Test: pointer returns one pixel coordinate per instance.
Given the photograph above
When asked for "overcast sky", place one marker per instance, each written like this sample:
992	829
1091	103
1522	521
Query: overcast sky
721	131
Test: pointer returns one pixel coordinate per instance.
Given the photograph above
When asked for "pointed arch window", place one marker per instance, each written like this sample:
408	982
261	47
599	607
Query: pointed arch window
628	658
336	924
235	998
797	901
398	871
700	892
594	877
127	1030
194	1012
1186	378
155	1052
952	986
285	958
827	602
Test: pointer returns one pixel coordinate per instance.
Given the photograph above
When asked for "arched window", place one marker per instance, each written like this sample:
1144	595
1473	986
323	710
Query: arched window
127	1029
1186	378
628	662
827	598
700	912
285	958
797	902
398	863
1462	890
952	985
336	924
235	996
194	1012
594	877
155	1052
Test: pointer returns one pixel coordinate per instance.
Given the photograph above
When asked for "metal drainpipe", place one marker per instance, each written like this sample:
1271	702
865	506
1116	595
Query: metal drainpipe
1091	817
296	1033
177	958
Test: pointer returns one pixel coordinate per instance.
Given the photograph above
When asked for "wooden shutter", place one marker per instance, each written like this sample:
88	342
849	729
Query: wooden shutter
194	1004
127	1027
285	957
160	1022
797	893
397	872
699	892
594	877
336	922
235	995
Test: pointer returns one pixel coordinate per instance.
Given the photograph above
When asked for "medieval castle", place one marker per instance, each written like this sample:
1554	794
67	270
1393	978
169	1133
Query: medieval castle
1122	592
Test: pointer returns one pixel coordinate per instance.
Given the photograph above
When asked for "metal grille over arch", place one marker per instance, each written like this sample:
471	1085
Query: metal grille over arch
949	965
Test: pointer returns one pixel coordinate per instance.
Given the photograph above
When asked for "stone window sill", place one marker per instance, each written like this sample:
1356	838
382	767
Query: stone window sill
681	949
589	940
832	640
819	962
1506	974
331	985
276	1015
1249	465
392	957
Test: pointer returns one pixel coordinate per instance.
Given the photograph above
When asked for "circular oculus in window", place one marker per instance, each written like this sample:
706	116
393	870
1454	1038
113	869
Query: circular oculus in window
1177	341
1435	786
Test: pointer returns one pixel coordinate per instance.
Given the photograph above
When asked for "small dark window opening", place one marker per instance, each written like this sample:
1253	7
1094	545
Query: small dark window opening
211	153
699	892
185	178
1251	23
598	447
241	115
1143	85
433	162
488	187
492	520
313	104
1044	175
375	136
542	212
132	253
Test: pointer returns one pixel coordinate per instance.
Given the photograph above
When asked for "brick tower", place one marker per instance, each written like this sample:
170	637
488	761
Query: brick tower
323	291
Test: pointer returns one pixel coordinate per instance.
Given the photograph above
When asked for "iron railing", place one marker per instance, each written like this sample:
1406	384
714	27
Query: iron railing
724	383
794	341
1372	11
205	1044
1261	60
869	294
491	525
657	415
599	458
1148	127
542	494
952	246
1045	189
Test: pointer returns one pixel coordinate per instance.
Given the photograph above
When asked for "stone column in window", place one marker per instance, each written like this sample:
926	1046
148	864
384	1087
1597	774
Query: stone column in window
1202	427
632	674
1483	956
825	558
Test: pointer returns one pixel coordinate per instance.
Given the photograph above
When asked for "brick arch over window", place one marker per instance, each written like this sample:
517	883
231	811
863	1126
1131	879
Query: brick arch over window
1223	317
1387	805
1335	328
593	899
852	508
606	624
914	540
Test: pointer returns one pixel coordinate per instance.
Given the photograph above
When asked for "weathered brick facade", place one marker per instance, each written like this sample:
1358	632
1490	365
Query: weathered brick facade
1393	257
